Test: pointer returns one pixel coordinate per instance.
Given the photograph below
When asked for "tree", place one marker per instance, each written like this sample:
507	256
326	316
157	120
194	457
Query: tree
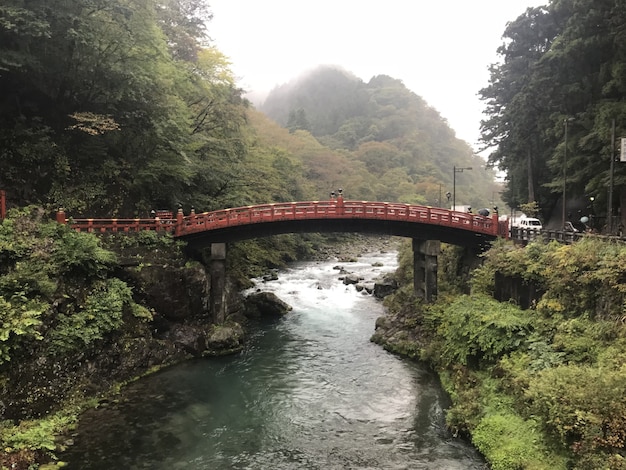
559	62
518	111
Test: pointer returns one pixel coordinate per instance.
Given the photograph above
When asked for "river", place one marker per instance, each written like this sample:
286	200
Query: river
310	391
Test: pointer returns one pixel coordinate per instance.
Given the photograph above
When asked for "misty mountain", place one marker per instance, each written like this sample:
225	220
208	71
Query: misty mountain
386	128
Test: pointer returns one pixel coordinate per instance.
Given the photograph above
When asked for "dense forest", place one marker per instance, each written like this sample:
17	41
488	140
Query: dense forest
387	143
560	83
120	107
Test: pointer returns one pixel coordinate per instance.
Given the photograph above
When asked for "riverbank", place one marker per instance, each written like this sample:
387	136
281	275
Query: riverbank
540	388
97	319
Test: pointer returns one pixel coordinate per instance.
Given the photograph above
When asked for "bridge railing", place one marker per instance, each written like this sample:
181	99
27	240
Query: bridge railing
526	235
118	225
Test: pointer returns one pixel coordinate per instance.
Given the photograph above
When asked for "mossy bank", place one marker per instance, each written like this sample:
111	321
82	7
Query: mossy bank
536	388
81	315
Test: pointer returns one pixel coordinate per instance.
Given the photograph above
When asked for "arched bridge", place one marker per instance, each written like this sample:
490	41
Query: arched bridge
427	226
414	221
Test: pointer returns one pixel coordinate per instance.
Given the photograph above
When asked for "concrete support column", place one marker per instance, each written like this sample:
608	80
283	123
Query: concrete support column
425	253
217	271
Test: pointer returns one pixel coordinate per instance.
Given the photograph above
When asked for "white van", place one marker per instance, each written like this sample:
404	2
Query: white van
530	223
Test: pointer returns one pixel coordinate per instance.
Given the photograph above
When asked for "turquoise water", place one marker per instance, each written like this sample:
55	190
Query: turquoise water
310	391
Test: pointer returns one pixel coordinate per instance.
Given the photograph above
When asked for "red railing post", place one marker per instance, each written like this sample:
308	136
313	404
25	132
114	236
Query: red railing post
340	204
61	216
3	204
179	222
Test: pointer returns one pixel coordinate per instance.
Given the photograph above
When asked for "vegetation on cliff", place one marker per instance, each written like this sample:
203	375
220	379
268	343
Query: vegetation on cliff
541	388
74	324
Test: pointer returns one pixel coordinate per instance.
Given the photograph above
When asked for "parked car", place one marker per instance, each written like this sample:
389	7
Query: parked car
530	223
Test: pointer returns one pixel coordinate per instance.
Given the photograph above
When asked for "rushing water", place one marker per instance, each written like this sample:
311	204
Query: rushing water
310	391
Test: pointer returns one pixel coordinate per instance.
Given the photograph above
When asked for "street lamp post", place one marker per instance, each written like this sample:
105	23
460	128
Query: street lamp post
455	171
566	121
609	211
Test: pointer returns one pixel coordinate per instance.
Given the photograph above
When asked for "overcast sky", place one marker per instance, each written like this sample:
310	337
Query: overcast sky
440	49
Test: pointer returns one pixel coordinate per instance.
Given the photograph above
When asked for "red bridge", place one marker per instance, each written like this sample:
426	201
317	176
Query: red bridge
427	226
202	229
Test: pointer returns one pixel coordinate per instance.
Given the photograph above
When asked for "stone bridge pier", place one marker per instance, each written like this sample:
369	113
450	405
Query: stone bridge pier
425	253
217	274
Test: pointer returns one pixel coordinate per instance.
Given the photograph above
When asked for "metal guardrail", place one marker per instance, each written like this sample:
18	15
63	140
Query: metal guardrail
526	235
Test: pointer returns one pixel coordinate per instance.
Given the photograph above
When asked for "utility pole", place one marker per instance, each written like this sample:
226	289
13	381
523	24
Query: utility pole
609	210
455	171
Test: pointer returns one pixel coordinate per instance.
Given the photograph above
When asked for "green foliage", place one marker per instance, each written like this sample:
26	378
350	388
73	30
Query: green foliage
20	321
550	71
101	314
36	435
511	443
81	255
478	329
580	279
540	388
141	312
404	272
146	239
531	209
584	406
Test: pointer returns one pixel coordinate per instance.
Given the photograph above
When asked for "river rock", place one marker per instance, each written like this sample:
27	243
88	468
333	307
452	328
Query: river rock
224	339
386	286
191	339
265	304
273	276
366	287
351	279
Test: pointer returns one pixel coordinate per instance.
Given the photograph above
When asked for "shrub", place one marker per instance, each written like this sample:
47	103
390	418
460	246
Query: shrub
101	314
478	328
584	406
81	255
19	321
512	443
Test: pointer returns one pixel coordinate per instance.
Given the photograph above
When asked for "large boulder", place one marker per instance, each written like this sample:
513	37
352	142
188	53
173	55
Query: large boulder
265	304
386	286
189	338
177	293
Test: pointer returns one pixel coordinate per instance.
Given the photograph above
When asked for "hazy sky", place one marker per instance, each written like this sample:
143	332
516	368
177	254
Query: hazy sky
440	49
